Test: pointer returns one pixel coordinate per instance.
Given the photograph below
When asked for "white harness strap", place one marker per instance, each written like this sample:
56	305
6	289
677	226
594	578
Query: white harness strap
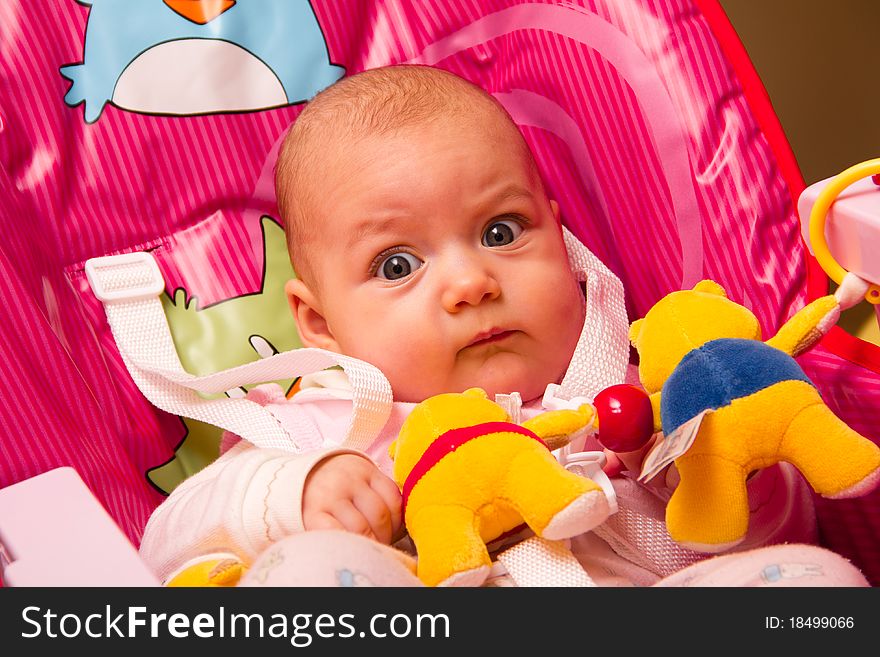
602	352
129	286
645	541
539	562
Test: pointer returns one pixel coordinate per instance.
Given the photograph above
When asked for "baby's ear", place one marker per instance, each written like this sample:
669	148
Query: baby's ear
554	208
311	325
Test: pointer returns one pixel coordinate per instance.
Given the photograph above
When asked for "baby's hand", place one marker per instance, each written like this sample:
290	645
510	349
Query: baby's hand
349	492
617	462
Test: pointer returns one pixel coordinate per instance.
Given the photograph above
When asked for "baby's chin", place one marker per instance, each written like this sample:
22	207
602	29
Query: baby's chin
517	373
511	377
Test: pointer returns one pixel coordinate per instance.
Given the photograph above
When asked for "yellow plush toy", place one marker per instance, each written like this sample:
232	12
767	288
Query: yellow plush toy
702	353
213	570
468	475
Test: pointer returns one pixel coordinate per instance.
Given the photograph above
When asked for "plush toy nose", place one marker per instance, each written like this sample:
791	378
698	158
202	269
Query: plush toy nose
200	11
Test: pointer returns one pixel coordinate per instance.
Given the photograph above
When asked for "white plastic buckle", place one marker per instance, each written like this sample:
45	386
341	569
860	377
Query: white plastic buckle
550	402
512	405
125	277
590	465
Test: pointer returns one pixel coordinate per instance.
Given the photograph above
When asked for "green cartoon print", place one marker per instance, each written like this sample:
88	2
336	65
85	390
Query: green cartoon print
224	335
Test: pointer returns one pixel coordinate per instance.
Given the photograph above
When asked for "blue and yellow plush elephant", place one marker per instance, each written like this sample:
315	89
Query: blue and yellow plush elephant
700	351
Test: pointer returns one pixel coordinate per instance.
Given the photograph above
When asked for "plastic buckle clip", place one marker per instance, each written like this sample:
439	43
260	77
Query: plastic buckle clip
550	402
125	277
590	465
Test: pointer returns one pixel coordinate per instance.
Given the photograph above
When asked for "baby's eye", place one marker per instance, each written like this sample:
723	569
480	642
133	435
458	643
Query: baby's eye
502	233
399	265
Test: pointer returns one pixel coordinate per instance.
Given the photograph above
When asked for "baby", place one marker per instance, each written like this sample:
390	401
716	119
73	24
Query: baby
425	244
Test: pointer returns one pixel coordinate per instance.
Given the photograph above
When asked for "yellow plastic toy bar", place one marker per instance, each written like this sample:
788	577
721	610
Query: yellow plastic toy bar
818	216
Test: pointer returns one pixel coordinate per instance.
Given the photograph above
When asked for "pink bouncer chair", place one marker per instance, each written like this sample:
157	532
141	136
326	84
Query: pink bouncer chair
153	125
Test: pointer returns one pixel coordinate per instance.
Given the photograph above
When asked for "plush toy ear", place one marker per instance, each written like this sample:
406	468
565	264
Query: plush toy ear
392	450
710	287
634	330
478	393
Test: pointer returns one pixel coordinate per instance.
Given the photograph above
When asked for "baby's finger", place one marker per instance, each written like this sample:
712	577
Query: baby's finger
388	491
376	512
351	518
321	520
613	464
632	461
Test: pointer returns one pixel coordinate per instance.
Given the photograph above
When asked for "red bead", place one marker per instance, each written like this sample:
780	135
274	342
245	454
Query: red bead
626	419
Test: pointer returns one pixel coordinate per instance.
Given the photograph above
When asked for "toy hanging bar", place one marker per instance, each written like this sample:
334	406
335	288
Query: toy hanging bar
854	231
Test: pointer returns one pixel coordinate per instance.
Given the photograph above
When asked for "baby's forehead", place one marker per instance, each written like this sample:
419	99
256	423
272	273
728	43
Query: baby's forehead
340	138
482	128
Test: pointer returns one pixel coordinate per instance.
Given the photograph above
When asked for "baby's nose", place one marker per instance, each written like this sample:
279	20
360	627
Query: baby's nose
470	287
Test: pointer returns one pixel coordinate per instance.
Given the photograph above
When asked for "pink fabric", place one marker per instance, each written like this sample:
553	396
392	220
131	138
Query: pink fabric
778	566
640	127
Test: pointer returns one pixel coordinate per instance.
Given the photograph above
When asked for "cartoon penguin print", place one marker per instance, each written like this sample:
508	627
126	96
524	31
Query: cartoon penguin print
186	57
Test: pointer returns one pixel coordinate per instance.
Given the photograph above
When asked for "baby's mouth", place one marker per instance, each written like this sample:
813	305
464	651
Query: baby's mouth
492	336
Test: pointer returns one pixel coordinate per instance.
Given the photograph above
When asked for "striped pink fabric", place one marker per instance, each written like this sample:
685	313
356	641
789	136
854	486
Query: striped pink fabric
639	126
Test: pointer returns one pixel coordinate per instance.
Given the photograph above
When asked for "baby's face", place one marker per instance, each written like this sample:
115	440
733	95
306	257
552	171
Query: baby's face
442	262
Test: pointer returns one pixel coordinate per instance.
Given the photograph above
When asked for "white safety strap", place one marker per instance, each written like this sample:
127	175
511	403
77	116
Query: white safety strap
646	542
602	352
129	286
539	562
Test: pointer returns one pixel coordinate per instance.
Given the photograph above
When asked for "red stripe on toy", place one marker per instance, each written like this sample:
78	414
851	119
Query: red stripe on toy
452	440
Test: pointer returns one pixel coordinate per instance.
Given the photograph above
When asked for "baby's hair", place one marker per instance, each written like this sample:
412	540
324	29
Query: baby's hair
373	102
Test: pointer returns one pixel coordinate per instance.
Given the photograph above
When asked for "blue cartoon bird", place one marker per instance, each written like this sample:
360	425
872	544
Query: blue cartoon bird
184	57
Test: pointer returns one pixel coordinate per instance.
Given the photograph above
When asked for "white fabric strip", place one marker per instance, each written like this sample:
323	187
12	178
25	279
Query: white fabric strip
127	285
602	353
539	562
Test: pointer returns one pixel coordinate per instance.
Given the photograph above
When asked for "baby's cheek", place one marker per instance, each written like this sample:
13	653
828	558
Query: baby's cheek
412	363
563	320
554	300
571	299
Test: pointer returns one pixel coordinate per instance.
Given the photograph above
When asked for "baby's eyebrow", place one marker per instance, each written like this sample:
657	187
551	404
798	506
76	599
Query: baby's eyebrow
371	226
512	192
508	193
390	222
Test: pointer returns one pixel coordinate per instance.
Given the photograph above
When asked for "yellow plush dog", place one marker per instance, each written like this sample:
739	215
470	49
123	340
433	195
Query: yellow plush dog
468	475
700	352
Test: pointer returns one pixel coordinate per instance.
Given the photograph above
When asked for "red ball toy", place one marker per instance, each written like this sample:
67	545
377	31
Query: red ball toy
626	419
